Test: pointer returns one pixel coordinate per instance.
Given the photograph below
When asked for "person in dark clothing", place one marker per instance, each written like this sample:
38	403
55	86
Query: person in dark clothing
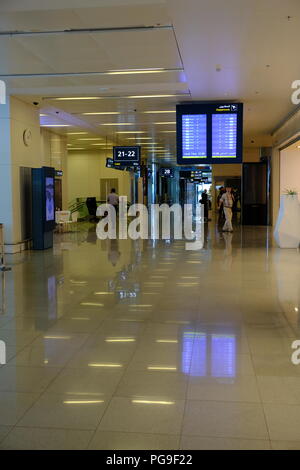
91	204
204	201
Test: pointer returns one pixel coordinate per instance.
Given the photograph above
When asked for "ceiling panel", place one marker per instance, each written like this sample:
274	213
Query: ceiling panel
231	50
139	49
67	14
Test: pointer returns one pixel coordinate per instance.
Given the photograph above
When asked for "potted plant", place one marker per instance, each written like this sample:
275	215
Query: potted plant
287	230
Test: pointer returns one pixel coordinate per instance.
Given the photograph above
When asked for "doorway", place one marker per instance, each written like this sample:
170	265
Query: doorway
106	185
58	193
256	191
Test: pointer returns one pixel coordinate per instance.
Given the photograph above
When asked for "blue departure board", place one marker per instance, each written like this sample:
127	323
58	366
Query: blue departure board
224	135
209	133
194	140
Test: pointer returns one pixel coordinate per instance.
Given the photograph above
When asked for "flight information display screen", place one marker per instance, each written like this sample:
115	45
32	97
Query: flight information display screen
224	135
209	133
194	130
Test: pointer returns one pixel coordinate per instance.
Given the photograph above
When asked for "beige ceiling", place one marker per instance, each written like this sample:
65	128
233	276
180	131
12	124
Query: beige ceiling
242	50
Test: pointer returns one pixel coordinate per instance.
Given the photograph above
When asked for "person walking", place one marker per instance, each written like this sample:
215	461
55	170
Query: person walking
113	198
227	200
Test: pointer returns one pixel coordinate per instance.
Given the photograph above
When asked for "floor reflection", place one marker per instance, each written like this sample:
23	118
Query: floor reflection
168	345
209	354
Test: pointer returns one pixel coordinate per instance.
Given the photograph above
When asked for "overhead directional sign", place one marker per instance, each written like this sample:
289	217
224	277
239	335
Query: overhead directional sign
127	156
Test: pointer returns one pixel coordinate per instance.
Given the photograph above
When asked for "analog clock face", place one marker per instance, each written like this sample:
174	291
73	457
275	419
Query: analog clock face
27	137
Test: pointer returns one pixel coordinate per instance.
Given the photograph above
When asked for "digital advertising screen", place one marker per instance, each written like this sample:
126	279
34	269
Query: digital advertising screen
127	156
49	198
209	133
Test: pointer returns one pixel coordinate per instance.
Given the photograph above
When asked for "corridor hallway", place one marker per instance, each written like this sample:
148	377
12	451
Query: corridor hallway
143	345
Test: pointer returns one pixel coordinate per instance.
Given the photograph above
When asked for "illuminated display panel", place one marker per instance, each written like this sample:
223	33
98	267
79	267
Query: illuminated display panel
194	131
49	197
166	172
127	156
209	133
224	135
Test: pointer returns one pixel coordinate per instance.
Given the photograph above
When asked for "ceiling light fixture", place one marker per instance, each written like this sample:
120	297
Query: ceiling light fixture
117	124
139	138
136	71
120	340
77	133
148	96
166	122
131	132
108	113
152	402
69	98
105	365
159	112
82	402
55	125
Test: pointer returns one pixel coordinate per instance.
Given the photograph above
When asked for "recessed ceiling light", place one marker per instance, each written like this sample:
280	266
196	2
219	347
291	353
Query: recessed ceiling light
159	112
168	132
131	132
149	96
153	402
120	340
76	148
166	122
117	124
135	71
69	98
108	113
90	138
139	138
55	125
104	365
83	402
77	133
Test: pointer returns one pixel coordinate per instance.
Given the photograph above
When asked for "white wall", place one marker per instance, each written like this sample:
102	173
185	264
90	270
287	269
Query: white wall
54	153
84	170
288	132
45	149
15	117
290	169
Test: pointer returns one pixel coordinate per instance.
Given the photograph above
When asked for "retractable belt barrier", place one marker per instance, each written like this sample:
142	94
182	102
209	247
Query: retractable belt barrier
2	260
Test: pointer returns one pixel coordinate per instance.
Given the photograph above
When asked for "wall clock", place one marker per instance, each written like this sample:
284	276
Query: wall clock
27	137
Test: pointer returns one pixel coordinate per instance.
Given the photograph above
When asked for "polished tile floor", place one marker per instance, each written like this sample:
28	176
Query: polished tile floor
143	345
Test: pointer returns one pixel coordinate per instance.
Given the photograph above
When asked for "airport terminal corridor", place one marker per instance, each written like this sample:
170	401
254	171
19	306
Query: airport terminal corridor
149	228
121	344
